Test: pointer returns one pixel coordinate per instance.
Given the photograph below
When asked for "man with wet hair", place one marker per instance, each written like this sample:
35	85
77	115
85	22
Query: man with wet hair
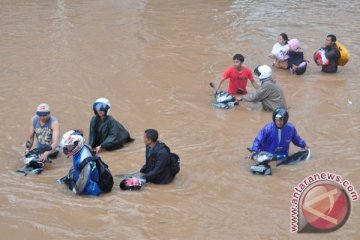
157	159
238	76
332	54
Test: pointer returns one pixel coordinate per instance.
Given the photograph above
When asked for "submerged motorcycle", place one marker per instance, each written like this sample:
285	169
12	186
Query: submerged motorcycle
33	163
263	158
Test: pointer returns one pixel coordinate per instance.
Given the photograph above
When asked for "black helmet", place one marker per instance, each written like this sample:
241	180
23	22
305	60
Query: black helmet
281	113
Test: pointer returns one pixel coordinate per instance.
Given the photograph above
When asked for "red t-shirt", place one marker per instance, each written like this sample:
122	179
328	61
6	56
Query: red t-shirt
238	80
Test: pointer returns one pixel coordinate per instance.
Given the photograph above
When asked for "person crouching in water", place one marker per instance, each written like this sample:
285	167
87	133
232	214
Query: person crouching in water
106	133
275	137
157	159
80	181
269	94
297	62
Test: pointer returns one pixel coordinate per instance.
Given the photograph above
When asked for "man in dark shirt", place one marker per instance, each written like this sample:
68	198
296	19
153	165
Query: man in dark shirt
157	159
331	53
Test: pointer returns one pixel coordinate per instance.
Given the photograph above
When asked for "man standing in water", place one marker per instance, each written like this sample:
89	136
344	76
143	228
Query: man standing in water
275	138
269	94
332	54
46	129
238	76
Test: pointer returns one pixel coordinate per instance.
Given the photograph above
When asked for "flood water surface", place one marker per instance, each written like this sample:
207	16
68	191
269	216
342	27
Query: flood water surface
154	60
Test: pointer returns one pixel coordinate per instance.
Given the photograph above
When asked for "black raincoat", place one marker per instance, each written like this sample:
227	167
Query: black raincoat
108	133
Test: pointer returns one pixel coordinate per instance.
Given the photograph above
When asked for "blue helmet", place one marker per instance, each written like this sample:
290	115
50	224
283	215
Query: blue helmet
102	104
281	113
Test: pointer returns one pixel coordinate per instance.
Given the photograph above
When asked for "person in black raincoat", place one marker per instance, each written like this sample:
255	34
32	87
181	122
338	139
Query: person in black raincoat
157	159
106	133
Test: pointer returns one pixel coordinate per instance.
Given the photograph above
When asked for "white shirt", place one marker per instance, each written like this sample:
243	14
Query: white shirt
280	51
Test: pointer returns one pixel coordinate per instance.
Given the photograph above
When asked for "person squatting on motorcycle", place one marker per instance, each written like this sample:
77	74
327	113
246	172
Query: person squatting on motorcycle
46	129
106	133
275	137
269	93
85	181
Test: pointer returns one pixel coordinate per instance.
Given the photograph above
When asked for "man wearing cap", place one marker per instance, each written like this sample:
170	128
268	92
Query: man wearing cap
157	159
46	129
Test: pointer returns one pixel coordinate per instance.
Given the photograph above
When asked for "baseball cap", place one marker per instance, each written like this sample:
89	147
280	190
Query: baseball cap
43	109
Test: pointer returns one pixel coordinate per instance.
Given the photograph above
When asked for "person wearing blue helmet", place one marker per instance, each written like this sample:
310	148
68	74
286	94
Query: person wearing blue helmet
106	133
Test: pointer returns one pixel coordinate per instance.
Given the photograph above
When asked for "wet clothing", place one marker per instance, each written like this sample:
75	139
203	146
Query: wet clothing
280	51
108	133
277	141
333	55
91	186
157	164
269	94
43	133
297	58
238	80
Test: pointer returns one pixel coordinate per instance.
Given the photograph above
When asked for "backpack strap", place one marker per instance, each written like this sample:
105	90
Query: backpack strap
87	160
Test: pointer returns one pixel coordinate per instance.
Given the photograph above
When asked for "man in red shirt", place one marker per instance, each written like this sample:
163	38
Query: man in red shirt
238	76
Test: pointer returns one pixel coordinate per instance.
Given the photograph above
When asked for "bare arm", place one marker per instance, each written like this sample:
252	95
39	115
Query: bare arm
55	134
220	84
31	134
255	84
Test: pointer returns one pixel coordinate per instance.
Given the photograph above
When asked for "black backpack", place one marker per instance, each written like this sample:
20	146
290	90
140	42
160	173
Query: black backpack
106	180
174	163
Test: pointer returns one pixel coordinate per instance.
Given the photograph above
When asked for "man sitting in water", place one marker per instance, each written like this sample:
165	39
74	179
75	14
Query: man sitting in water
106	133
46	129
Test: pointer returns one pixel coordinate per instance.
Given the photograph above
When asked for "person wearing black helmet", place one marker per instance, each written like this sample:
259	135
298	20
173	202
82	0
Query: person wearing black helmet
276	136
269	94
106	133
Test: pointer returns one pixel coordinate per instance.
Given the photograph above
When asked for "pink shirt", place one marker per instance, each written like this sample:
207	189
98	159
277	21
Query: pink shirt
238	80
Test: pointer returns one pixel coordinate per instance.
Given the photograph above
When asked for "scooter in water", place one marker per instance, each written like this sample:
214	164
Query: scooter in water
225	100
263	158
33	163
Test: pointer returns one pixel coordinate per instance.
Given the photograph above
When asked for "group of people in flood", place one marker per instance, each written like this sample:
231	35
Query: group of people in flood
287	54
91	176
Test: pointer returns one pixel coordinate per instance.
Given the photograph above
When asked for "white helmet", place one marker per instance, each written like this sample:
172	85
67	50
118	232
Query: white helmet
71	142
102	104
263	71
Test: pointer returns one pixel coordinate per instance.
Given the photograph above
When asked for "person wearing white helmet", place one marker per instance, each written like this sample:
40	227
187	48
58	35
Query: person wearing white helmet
106	133
269	94
81	179
46	129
